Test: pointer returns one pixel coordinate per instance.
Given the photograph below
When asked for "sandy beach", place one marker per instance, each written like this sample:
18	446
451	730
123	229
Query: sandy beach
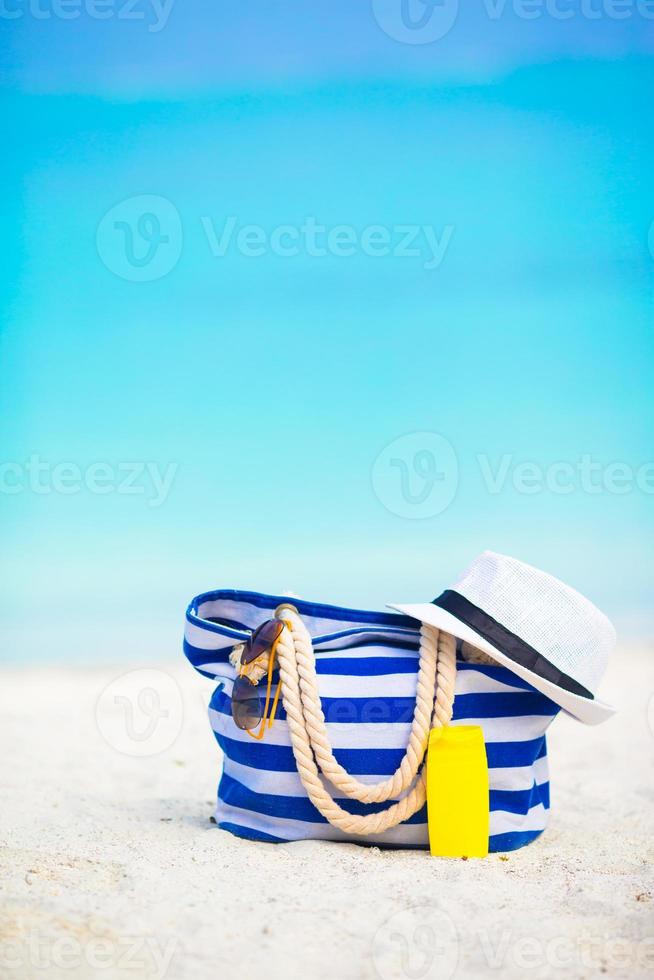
111	867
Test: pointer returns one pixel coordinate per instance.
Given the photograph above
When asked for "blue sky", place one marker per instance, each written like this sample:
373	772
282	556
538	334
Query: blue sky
518	154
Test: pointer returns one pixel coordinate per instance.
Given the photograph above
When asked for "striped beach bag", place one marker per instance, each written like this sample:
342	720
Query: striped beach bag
343	758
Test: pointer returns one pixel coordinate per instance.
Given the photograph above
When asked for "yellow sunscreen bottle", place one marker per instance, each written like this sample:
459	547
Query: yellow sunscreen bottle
457	792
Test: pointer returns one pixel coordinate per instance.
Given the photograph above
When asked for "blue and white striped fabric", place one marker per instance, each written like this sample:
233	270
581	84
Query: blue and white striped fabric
367	668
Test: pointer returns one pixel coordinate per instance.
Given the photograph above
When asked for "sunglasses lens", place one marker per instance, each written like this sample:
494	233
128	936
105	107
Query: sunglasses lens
246	704
261	640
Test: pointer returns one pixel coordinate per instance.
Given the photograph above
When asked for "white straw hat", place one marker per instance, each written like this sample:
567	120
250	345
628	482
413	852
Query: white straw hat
532	623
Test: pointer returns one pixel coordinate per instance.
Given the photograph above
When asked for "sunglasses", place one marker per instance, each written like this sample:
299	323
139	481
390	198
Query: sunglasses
263	638
249	708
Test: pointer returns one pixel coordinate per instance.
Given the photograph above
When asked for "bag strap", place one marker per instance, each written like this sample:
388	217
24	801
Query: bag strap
312	749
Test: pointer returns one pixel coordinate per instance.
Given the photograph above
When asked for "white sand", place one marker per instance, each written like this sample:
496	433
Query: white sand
110	867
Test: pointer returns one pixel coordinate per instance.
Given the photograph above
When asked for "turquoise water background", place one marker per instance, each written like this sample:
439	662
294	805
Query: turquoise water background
201	388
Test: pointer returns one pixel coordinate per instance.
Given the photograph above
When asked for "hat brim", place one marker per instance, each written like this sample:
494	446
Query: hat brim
588	710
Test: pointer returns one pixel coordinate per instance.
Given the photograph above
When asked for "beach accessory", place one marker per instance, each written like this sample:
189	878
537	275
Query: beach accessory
312	747
247	710
263	639
252	659
457	792
529	621
360	691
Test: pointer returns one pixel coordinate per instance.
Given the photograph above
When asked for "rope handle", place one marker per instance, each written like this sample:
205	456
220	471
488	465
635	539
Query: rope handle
310	742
